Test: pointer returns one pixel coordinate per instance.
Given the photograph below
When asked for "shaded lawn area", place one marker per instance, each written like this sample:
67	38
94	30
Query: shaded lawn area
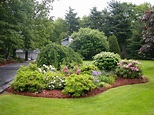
125	100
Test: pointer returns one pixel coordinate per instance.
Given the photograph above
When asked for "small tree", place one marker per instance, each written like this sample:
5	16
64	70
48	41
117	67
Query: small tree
114	46
57	55
88	42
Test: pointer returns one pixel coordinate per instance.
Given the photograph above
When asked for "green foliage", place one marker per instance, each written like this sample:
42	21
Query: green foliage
135	41
89	42
30	67
72	20
70	69
77	85
118	17
129	69
109	80
87	69
28	81
24	24
56	55
95	19
54	80
103	79
106	61
114	46
60	31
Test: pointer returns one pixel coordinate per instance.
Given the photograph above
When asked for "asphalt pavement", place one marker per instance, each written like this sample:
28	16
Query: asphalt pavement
7	74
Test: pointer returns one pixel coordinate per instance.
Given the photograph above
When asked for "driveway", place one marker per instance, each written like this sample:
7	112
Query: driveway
7	74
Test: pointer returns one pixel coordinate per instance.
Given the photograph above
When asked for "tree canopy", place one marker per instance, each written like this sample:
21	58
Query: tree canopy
88	42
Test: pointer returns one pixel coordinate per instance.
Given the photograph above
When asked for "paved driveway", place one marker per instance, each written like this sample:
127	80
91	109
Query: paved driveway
7	74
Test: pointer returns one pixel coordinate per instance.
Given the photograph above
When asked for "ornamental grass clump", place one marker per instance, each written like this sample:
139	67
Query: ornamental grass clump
129	69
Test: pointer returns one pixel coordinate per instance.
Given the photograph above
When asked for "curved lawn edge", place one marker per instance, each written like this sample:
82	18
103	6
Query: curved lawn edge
58	93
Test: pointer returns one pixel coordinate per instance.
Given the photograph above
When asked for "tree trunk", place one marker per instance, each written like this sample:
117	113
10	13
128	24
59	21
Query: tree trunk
14	53
26	55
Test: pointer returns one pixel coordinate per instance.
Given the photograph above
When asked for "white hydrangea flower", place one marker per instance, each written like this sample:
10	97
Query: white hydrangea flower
40	70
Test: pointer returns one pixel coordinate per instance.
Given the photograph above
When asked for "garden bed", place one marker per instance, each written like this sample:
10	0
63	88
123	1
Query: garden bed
58	93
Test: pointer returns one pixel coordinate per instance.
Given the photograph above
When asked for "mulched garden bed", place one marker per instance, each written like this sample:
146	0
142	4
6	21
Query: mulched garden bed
58	94
6	62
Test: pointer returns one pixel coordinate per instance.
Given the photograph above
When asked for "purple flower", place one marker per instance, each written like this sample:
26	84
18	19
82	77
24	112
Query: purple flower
96	73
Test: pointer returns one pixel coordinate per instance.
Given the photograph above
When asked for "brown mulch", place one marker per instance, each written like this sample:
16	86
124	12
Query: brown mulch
6	62
58	94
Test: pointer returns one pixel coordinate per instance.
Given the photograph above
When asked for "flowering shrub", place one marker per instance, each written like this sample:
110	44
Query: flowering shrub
46	68
77	85
73	69
129	69
88	69
102	79
106	61
54	80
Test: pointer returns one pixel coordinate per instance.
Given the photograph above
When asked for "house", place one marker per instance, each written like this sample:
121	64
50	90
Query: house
66	41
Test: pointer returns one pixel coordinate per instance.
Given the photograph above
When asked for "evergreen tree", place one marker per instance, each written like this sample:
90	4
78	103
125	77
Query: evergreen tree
118	22
135	42
113	43
60	31
95	19
72	20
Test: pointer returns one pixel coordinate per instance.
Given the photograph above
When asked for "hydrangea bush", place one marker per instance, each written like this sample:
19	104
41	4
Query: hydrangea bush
106	61
129	69
54	80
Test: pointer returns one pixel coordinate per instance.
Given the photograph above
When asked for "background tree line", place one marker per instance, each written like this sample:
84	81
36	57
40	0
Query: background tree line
28	25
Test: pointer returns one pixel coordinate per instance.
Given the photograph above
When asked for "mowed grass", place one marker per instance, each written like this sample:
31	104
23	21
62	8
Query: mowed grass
125	100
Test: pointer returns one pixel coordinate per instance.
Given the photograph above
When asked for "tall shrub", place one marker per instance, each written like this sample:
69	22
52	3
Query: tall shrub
88	42
113	43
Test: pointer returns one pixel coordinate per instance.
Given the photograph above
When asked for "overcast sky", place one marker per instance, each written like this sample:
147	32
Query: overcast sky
82	7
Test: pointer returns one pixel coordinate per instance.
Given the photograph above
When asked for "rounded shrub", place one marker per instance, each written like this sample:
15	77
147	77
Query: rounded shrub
88	42
56	55
106	61
28	81
77	85
88	69
129	69
54	80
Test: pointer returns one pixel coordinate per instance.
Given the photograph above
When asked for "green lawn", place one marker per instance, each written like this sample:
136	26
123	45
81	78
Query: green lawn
125	100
